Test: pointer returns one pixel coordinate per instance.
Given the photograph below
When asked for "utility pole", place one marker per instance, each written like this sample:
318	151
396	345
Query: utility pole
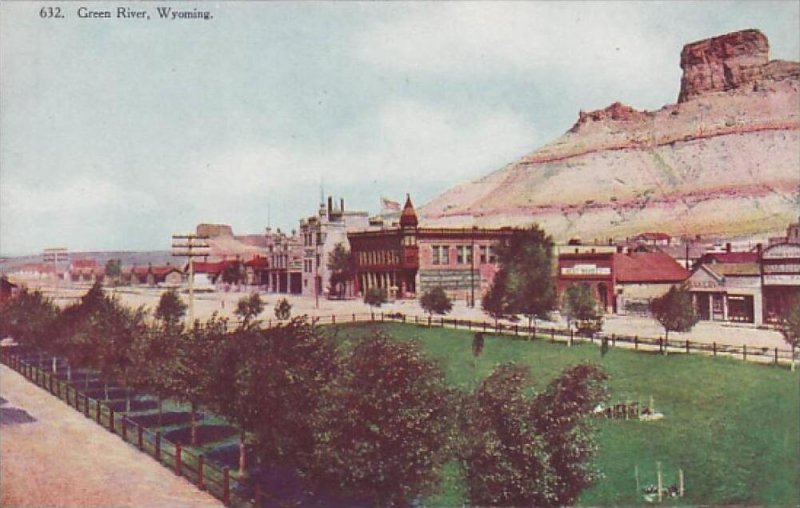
55	255
190	246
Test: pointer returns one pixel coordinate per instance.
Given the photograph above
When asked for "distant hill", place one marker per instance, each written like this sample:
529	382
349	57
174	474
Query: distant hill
723	161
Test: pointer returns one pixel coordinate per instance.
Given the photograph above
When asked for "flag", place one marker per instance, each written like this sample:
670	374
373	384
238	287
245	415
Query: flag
388	204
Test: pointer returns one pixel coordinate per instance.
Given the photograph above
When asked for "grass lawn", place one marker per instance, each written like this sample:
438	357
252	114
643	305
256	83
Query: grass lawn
732	426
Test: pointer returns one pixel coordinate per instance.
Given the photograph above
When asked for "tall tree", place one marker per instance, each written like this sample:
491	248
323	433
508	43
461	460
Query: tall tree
435	301
384	430
524	282
269	382
581	307
283	309
523	450
342	267
674	310
192	378
30	319
234	272
790	324
113	268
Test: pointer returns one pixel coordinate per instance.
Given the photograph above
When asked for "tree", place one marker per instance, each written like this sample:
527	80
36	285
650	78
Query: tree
192	378
342	267
674	310
113	269
30	319
171	309
269	382
375	296
283	310
524	282
581	307
790	324
248	307
436	301
384	429
523	450
154	353
233	273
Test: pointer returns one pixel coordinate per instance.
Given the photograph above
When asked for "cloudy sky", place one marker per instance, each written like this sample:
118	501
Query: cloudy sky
115	134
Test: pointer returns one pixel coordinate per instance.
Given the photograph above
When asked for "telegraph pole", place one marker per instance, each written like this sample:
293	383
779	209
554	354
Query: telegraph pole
190	246
55	255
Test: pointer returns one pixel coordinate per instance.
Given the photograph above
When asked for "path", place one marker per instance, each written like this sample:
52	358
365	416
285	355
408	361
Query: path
63	459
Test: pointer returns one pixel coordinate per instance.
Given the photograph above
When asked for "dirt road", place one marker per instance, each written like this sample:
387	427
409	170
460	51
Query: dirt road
51	455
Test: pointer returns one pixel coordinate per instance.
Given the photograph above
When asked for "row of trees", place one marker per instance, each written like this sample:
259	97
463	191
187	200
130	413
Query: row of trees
373	422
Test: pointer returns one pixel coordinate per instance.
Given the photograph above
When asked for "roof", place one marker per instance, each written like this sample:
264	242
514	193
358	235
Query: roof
257	262
654	236
409	217
648	267
729	257
735	269
84	263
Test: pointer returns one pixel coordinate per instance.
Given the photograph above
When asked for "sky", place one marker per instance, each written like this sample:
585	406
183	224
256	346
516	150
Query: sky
117	133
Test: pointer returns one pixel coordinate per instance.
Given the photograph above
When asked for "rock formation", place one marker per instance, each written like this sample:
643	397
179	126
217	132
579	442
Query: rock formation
735	60
722	161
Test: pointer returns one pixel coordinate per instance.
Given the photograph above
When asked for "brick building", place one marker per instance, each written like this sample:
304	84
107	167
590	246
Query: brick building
620	282
407	260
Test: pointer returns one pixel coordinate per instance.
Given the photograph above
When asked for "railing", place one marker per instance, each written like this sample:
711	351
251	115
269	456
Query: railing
759	354
206	475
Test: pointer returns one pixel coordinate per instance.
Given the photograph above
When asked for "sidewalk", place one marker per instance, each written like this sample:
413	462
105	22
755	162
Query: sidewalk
63	459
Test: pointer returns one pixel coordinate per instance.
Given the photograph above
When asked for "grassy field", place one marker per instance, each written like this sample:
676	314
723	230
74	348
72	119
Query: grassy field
733	427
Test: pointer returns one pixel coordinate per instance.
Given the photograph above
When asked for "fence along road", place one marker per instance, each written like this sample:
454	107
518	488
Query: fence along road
63	459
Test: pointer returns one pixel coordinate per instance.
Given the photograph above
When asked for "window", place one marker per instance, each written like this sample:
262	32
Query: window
460	254
484	253
492	257
436	258
445	254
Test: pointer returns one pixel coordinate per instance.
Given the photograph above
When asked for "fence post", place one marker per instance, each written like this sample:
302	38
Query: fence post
200	481
714	346
416	320
687	346
111	419
404	318
571	336
381	316
66	395
354	318
744	352
469	324
51	383
660	345
429	320
124	429
158	446
552	334
178	458
613	340
484	326
372	316
516	329
86	406
97	410
140	431
58	390
776	356
442	321
333	319
226	486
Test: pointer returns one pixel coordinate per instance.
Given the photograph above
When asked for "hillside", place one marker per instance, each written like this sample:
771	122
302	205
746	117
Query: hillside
724	160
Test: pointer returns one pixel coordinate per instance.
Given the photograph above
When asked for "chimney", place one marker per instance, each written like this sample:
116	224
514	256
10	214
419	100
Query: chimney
330	206
619	249
728	247
341	205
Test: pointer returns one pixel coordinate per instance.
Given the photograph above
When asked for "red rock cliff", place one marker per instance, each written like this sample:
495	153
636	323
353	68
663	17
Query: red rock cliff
722	63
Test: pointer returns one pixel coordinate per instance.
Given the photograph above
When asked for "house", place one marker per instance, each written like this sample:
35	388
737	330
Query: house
653	239
256	270
8	289
152	276
780	276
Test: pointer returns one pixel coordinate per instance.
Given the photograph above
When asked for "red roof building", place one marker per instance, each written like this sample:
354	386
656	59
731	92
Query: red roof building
621	283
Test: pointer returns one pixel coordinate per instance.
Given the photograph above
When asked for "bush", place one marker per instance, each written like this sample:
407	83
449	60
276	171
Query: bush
283	310
375	297
436	301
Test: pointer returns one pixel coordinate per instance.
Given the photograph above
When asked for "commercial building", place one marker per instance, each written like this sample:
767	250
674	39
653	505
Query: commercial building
284	262
407	260
320	234
621	283
727	292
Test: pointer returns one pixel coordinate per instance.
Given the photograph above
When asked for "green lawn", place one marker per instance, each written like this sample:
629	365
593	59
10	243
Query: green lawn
733	427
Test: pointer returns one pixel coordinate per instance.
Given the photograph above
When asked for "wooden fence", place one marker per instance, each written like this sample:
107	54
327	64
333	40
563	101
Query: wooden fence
208	476
759	354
